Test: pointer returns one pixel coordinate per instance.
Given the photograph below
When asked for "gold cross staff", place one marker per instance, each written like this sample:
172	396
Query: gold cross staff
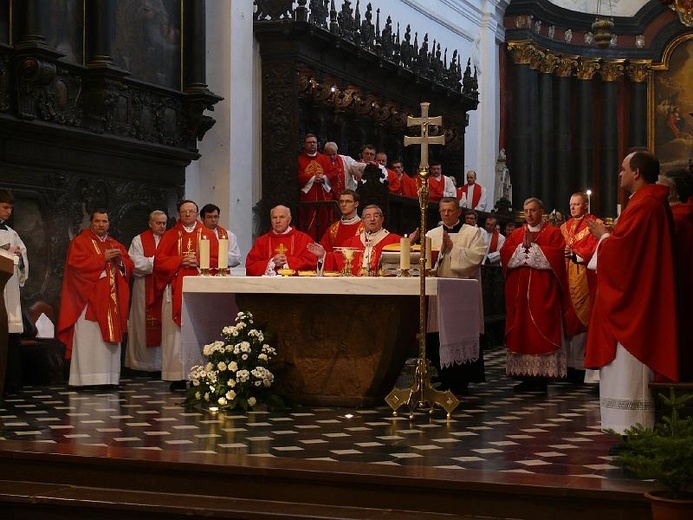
424	140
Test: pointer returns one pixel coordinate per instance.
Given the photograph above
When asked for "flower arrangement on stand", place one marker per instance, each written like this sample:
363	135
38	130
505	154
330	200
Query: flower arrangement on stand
235	374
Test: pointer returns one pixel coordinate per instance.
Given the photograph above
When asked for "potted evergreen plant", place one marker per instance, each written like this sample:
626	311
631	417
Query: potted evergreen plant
665	454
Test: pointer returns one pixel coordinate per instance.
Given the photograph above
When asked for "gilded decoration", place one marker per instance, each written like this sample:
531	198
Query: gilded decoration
521	52
565	66
587	67
612	70
639	71
548	63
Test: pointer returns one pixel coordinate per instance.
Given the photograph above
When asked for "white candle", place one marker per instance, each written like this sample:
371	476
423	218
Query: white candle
428	253
589	201
204	253
223	253
618	210
404	253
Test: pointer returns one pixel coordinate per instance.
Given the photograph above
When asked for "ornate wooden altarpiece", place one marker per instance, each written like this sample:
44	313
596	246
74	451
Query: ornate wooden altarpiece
101	105
352	77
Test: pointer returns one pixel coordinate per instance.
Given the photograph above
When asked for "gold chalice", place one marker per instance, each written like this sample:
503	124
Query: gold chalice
348	254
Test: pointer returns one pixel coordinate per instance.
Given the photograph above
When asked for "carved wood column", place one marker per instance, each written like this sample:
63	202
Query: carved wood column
606	198
524	138
194	46
30	30
585	137
547	160
564	183
638	74
99	21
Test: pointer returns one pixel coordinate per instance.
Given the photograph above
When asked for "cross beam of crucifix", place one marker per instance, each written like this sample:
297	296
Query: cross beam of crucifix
424	140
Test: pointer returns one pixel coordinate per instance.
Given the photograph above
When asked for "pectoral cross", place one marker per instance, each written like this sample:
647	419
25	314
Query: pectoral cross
424	140
281	249
190	249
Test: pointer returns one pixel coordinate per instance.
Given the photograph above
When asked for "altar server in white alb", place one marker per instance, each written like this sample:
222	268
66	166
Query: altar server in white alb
462	249
12	246
144	326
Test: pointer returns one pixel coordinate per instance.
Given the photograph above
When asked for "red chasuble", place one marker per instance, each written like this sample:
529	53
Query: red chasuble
335	261
635	288
106	298
169	255
338	233
582	282
152	300
293	244
408	186
436	187
312	220
683	236
535	298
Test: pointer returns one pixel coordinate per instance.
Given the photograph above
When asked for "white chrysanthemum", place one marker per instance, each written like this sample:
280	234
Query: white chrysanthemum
231	395
242	376
229	348
221	401
244	357
206	396
252	401
196	382
245	347
231	382
198	395
258	383
237	349
207	350
209	367
263	357
221	366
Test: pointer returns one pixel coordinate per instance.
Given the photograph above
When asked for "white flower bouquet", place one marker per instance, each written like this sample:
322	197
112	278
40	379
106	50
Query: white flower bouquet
235	374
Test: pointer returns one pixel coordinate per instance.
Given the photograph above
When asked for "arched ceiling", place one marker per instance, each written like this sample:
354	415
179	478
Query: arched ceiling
605	7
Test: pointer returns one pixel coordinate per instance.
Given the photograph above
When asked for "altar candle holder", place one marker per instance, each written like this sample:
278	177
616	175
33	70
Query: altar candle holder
203	248
404	257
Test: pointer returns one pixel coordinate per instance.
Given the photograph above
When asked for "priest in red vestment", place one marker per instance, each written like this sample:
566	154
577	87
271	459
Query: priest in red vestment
144	326
533	262
582	282
345	171
282	248
368	245
407	184
472	195
680	183
315	185
349	225
94	305
178	256
632	336
439	185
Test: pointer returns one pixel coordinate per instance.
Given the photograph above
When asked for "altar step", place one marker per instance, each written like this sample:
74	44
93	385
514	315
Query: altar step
106	483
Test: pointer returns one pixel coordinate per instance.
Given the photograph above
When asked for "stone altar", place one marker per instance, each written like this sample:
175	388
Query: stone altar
339	341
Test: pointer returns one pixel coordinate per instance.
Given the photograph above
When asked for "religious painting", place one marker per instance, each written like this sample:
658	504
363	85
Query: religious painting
673	109
62	24
147	40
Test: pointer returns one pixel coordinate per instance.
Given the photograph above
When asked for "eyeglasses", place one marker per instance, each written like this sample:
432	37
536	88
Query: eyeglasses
188	211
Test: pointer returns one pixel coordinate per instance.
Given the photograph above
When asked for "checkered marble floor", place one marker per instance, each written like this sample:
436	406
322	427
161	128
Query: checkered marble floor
493	429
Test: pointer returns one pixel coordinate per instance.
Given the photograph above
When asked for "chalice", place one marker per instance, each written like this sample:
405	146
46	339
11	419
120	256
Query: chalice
348	255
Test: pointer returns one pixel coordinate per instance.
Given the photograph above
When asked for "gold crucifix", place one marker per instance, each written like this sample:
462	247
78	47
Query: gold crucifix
424	140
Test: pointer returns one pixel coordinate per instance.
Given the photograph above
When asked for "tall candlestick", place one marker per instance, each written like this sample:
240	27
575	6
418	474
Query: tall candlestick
204	253
223	253
429	262
404	253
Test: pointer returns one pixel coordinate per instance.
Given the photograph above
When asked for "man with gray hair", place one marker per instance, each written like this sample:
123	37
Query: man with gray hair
144	326
536	295
345	170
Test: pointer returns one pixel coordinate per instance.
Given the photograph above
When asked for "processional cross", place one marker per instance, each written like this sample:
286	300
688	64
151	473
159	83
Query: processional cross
421	393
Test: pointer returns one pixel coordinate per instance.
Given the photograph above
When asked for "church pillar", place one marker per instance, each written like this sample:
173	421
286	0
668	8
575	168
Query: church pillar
99	24
638	74
524	132
194	45
563	183
606	198
547	158
585	138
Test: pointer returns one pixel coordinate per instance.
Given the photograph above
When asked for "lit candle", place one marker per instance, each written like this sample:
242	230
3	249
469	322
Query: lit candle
404	253
428	253
589	201
223	253
204	253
